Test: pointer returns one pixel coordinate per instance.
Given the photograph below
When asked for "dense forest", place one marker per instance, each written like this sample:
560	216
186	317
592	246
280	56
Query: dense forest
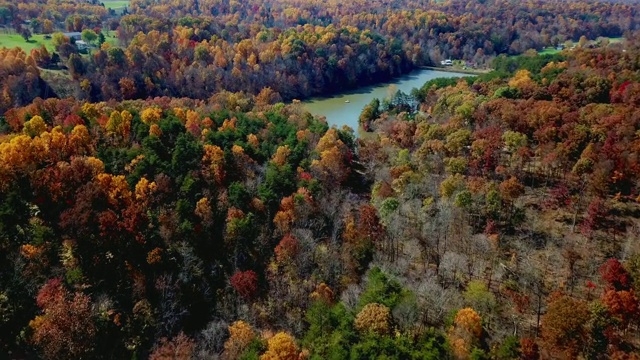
297	48
171	202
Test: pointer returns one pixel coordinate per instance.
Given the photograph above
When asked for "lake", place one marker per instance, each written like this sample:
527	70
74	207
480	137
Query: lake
339	112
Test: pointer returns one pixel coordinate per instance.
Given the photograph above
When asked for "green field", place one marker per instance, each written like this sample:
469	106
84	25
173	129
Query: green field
15	40
111	39
553	50
549	51
115	4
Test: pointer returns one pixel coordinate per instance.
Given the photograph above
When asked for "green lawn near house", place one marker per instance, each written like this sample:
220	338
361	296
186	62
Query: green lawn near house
15	40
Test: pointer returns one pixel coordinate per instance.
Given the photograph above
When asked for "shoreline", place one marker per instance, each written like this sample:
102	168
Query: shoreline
454	70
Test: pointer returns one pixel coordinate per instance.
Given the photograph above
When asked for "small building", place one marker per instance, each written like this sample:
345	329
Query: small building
81	45
73	35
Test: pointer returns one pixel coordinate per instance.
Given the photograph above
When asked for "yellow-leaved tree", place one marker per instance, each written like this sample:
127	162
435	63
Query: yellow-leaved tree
374	318
35	126
281	346
465	333
240	336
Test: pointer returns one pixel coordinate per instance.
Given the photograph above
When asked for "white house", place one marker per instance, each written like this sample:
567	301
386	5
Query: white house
81	45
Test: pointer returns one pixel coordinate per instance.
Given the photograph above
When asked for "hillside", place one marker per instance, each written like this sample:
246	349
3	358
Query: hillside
169	199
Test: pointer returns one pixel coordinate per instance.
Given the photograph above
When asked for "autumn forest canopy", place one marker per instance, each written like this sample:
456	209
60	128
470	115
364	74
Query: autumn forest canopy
297	48
163	196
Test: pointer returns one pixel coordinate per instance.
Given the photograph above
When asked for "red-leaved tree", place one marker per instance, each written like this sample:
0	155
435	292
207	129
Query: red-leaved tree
615	275
66	329
245	283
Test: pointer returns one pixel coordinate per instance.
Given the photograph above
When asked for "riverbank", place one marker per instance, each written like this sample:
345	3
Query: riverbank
455	70
344	108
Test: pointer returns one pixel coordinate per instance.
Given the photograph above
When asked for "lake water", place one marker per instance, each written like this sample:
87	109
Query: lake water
339	112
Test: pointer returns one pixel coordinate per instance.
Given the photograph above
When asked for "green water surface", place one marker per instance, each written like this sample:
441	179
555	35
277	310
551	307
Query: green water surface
345	108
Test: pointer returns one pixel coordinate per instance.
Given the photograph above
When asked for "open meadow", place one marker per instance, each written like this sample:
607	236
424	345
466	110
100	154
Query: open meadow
15	40
116	5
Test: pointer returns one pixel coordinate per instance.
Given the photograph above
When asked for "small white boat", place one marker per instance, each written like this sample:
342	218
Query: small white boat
347	101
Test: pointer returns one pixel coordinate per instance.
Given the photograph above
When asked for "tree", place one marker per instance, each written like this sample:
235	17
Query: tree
267	96
595	218
35	126
335	158
287	249
479	297
381	289
66	328
322	293
564	325
178	348
76	66
374	318
89	36
151	115
25	33
615	275
281	346
116	56
511	189
58	39
622	306
451	185
240	336
529	349
510	348
41	56
245	283
119	124
128	88
370	113
465	333
47	26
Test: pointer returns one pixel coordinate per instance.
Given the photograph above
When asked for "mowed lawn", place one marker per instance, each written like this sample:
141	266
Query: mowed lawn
552	50
115	4
15	40
549	51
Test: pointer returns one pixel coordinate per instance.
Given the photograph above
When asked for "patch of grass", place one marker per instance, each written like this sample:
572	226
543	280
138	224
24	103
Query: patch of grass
15	40
549	51
115	4
111	39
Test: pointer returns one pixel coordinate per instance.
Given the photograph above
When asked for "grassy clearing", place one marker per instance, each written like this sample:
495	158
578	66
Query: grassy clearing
549	51
111	39
115	4
15	40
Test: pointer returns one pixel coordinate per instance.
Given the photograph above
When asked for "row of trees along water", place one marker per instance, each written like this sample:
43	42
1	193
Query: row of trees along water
297	48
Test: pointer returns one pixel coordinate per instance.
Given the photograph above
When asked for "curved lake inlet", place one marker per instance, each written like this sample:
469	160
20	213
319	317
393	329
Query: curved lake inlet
345	108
